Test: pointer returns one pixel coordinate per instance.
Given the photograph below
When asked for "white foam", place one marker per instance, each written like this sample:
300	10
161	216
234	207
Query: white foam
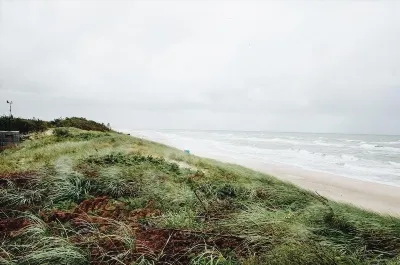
374	147
267	140
349	157
323	143
349	140
396	142
391	149
395	164
368	146
289	141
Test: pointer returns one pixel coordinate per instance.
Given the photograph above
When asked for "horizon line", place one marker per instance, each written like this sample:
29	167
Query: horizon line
265	131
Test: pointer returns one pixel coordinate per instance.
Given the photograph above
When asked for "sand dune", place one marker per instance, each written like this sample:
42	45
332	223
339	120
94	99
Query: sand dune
373	196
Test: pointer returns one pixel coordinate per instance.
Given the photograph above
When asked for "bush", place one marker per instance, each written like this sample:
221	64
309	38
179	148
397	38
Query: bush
133	159
80	123
61	132
23	125
37	125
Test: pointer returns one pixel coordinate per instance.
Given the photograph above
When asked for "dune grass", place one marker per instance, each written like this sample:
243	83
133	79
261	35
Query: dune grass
78	197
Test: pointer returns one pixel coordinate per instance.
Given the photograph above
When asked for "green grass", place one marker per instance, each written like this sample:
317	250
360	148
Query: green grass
34	245
203	212
211	256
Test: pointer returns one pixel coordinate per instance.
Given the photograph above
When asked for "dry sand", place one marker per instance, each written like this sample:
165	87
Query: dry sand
373	196
377	197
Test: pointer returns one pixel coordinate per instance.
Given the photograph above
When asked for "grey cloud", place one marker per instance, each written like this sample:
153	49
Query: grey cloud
244	65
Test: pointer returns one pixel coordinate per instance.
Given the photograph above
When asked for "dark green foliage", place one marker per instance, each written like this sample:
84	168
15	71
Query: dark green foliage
61	132
220	191
80	123
114	186
226	191
133	159
89	136
23	125
36	125
64	133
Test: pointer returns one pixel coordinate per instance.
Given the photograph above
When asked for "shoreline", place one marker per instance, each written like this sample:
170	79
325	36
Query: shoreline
377	197
373	196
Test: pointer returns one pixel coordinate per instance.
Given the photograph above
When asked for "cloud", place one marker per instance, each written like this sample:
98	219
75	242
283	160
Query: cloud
244	65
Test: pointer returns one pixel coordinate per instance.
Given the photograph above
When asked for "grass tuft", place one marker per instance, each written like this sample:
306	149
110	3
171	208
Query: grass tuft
70	187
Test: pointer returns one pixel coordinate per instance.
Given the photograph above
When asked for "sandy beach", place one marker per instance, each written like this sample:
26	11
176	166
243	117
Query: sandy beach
373	196
382	198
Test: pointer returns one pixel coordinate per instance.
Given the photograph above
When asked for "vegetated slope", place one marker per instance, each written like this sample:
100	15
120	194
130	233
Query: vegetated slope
80	197
36	125
80	123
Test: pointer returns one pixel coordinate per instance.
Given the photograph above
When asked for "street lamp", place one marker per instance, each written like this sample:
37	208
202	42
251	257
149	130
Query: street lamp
9	118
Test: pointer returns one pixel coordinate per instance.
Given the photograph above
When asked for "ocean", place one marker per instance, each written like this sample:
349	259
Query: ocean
373	158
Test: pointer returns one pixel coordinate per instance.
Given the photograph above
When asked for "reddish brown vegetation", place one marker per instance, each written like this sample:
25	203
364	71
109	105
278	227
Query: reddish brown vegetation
174	245
19	179
98	209
165	246
10	226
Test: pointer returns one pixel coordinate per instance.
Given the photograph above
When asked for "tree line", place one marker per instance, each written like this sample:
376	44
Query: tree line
36	125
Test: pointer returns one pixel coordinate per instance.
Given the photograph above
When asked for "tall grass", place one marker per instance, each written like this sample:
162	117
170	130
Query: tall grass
211	256
276	222
112	183
33	246
74	187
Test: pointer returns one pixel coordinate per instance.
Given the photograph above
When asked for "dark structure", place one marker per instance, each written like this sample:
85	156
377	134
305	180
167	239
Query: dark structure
8	139
9	118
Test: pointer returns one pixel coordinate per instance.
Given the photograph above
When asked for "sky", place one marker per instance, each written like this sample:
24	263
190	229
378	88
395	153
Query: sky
301	66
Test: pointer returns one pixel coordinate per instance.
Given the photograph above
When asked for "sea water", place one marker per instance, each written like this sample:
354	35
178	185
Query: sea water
368	157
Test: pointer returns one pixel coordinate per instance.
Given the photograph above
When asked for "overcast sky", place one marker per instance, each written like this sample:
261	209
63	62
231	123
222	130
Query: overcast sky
312	66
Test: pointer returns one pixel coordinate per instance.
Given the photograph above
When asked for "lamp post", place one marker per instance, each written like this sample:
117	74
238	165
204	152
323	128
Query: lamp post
9	118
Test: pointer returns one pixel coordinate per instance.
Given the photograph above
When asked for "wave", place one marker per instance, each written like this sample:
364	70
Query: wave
267	140
393	149
379	148
285	141
395	164
344	164
289	141
347	157
350	158
295	138
368	146
350	140
322	143
391	142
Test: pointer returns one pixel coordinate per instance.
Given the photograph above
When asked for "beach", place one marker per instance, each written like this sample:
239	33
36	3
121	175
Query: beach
370	193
